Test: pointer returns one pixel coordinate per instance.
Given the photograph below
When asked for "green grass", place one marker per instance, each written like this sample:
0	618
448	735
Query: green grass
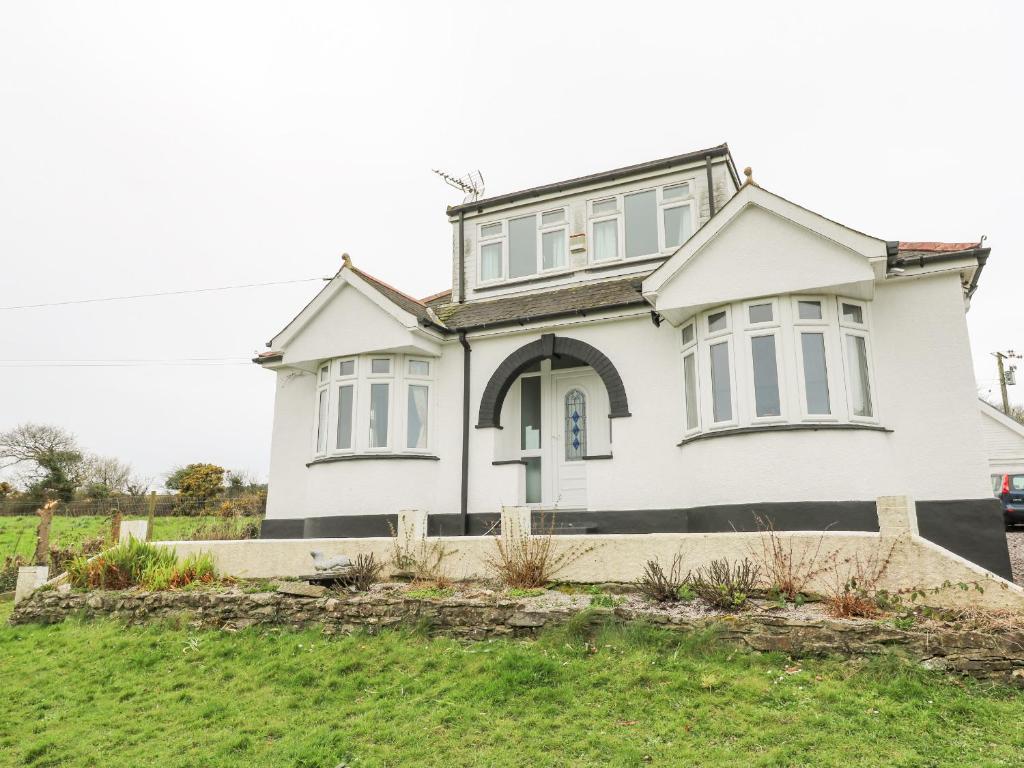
20	531
99	694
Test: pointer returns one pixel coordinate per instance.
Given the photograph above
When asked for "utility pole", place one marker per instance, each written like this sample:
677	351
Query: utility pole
1006	376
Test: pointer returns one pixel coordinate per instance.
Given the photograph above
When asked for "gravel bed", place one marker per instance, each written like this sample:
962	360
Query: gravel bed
1015	540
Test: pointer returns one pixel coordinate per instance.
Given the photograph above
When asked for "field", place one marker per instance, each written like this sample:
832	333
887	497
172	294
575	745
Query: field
100	694
18	534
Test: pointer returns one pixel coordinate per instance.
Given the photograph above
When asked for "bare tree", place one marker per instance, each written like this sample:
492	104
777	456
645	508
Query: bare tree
50	455
103	475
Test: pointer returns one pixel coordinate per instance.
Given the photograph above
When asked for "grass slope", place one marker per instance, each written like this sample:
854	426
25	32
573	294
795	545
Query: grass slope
100	694
19	533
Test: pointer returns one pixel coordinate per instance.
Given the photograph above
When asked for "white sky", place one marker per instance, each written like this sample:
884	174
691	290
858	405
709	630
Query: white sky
156	146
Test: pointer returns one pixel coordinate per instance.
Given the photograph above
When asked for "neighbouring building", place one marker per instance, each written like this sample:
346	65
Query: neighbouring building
662	347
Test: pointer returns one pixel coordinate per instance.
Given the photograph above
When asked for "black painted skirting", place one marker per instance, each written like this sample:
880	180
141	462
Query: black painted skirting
972	528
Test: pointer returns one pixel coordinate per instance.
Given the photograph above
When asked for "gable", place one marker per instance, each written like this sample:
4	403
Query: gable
345	321
758	245
1004	439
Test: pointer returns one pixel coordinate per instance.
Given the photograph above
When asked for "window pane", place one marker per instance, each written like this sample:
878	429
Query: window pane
602	207
380	365
690	388
860	384
490	262
761	313
606	240
554	249
717	322
575	425
522	246
490	230
815	372
809	310
721	386
419	368
529	408
346	367
321	423
417	417
677	225
323	373
688	334
641	211
345	394
853	313
379	415
766	376
533	480
552	217
675	192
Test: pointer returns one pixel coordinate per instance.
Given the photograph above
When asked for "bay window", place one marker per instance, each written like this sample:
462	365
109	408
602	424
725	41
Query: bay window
777	360
368	403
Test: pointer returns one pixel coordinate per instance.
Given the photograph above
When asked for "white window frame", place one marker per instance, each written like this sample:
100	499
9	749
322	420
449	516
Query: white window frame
503	241
849	328
619	216
786	327
710	339
752	331
690	349
542	230
499	240
826	327
361	379
338	381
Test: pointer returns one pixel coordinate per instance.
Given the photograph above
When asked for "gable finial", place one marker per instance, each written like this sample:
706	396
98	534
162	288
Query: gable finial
749	173
346	261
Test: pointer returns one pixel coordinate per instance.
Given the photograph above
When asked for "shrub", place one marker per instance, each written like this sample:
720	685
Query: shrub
194	569
725	585
422	560
789	569
365	571
659	586
430	593
855	593
60	557
137	563
527	561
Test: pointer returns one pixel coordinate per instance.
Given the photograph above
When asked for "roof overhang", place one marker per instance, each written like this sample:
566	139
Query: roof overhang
760	244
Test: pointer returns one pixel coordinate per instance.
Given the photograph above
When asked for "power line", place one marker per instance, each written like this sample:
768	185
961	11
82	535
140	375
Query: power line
162	293
127	363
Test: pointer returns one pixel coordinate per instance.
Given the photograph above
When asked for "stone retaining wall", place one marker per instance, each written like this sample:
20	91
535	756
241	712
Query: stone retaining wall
995	655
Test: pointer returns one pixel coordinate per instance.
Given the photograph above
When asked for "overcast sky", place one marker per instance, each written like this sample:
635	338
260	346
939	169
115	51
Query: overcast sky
159	146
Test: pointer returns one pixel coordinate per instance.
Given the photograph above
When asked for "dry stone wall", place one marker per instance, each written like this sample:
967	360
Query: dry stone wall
996	655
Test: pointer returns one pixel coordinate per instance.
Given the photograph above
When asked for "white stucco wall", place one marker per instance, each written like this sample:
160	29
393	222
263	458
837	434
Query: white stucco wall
924	393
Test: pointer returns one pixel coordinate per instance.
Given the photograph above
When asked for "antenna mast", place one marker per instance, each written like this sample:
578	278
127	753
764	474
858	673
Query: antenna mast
471	185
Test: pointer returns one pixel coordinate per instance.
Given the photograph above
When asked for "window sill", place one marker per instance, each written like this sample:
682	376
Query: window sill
597	457
781	428
371	456
506	462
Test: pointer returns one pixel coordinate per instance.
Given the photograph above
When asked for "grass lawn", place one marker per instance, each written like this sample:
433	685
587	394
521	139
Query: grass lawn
100	694
18	534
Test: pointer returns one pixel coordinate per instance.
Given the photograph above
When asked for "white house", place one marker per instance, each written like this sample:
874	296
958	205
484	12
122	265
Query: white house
653	348
1004	441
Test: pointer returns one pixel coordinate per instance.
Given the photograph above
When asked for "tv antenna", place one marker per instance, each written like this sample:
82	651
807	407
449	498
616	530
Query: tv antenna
471	185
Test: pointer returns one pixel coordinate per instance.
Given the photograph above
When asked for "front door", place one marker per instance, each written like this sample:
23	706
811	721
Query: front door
576	399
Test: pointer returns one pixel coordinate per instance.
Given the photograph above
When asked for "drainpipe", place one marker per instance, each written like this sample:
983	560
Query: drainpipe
462	260
711	188
464	498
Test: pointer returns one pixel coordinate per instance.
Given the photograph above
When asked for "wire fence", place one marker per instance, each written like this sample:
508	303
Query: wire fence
162	505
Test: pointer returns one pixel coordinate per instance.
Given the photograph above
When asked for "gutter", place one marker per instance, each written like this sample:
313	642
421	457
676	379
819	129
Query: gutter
582	181
464	491
522	321
924	260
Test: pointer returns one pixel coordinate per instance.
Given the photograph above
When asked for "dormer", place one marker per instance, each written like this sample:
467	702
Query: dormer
611	223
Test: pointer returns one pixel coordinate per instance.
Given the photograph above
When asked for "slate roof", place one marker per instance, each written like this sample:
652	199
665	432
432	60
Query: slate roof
576	299
405	301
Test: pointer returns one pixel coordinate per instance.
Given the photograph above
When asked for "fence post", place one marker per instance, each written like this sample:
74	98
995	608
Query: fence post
150	515
42	553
